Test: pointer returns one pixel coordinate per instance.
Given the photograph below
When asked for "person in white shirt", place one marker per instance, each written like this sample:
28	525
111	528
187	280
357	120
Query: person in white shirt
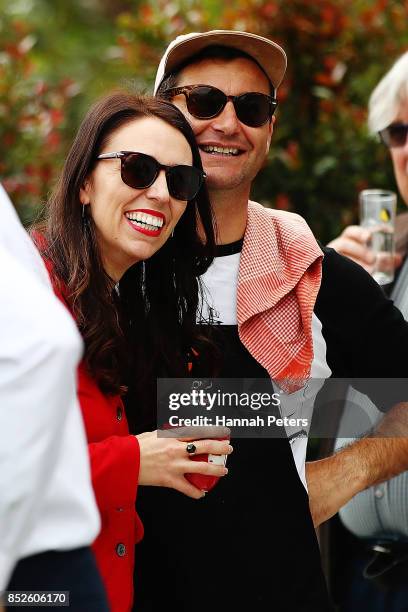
48	514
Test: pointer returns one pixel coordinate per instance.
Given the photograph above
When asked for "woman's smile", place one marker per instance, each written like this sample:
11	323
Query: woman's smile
146	221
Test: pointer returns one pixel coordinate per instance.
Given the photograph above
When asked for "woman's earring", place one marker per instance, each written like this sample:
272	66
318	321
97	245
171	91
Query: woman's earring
83	211
172	233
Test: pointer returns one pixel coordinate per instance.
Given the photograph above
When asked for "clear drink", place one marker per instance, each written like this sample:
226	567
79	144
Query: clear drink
377	213
382	243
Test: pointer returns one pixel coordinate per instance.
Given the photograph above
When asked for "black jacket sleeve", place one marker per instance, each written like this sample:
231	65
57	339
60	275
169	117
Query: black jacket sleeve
366	335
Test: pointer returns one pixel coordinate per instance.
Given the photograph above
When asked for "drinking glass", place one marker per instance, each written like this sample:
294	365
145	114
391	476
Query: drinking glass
377	213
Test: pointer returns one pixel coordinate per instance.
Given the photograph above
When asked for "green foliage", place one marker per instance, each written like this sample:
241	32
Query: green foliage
57	56
321	154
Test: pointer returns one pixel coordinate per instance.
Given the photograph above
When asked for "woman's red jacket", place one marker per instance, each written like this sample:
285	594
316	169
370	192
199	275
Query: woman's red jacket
115	462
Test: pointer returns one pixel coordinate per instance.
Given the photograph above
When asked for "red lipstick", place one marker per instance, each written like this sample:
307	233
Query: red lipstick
145	230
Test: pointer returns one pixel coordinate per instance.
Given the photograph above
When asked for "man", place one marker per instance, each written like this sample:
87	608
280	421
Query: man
377	561
265	278
48	515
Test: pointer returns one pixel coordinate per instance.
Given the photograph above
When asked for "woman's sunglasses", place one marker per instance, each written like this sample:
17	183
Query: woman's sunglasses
395	135
206	102
139	171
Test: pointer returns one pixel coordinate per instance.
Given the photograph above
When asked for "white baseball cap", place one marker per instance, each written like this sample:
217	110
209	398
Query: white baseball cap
269	55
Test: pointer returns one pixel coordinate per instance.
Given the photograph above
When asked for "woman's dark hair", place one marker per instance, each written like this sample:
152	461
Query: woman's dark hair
144	328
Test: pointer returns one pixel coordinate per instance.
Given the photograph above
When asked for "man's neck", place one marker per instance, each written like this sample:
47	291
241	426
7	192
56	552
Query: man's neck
231	211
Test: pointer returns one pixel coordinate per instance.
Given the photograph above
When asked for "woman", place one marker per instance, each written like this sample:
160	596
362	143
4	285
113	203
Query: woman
133	173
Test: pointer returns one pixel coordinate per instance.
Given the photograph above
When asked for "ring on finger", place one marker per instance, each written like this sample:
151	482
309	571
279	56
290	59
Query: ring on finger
191	448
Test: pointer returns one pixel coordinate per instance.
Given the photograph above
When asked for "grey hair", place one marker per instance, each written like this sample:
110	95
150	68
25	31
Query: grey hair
389	95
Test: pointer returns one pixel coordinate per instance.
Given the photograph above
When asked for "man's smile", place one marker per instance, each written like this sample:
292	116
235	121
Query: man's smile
217	150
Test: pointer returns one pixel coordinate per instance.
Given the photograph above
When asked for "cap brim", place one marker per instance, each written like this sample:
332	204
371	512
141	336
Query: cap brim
269	55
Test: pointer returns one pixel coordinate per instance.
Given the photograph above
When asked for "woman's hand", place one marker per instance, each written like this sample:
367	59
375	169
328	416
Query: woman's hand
165	461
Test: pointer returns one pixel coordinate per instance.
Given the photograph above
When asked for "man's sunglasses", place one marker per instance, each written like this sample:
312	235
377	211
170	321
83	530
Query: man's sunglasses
395	135
139	171
206	102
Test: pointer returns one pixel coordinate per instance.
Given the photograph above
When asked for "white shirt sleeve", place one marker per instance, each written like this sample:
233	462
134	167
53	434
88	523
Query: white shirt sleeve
39	351
16	241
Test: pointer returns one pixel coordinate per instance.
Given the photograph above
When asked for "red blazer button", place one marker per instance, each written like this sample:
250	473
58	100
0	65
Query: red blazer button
120	550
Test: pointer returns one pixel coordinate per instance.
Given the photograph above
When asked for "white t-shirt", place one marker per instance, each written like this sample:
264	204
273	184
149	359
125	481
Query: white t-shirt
46	497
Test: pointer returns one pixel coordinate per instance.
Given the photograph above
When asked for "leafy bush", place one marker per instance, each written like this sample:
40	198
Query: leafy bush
321	154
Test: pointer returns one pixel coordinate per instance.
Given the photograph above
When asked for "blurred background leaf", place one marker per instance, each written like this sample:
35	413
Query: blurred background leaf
57	57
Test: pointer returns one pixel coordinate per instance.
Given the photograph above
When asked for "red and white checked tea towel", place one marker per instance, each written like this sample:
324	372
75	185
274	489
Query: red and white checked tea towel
279	278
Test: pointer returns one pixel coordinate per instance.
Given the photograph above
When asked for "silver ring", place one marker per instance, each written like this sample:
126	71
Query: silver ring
191	448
